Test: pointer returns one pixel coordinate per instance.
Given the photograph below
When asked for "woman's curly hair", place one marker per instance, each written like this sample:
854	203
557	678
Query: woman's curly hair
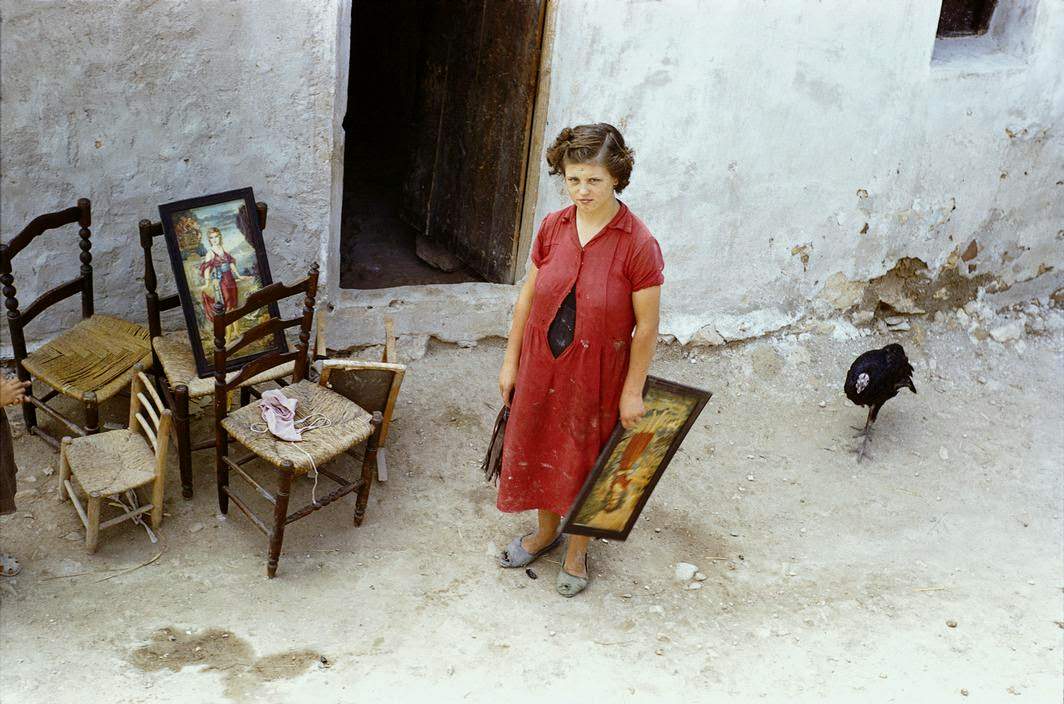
600	143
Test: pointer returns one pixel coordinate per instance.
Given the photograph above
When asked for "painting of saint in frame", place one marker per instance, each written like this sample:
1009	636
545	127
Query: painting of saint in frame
632	461
217	254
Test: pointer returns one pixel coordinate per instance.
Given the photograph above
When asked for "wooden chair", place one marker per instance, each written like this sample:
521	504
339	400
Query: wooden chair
348	426
115	463
173	355
90	362
374	386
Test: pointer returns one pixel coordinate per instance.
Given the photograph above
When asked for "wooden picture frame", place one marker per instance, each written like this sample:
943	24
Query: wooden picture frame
632	461
217	252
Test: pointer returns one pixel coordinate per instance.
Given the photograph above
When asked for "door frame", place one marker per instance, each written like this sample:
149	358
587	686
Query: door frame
329	247
526	229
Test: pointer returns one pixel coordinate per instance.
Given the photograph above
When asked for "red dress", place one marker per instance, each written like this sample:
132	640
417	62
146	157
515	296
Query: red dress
218	269
564	409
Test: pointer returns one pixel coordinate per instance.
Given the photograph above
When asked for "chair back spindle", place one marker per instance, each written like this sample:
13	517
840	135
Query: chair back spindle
275	292
85	221
155	426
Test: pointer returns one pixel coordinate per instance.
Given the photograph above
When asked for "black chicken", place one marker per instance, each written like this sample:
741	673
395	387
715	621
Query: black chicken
874	378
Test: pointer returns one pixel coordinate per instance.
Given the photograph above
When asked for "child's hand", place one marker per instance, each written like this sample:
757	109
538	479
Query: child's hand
12	391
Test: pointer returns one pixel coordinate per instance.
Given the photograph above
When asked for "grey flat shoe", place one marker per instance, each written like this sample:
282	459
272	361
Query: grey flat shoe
515	554
569	585
9	566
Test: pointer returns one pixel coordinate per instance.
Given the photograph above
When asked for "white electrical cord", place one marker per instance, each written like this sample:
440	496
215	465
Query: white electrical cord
303	425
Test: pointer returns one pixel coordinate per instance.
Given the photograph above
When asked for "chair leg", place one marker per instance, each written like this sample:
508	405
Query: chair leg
92	414
29	411
92	530
64	469
221	469
245	395
369	469
157	501
280	513
182	427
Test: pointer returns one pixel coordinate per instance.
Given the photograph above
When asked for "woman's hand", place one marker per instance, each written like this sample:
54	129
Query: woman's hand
12	391
632	409
507	380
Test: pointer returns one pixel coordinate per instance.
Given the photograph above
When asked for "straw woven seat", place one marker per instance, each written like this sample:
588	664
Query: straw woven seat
179	366
348	426
95	356
90	362
111	462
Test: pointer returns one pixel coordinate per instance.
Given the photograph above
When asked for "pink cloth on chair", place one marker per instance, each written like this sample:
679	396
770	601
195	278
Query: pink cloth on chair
279	412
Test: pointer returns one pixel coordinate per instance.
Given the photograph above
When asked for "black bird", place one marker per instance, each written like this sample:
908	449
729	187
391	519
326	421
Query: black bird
874	378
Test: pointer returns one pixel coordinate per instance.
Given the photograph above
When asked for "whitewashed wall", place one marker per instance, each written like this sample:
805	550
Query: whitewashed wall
136	103
756	124
758	127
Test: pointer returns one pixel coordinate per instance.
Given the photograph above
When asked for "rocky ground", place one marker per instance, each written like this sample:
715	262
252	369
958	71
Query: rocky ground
932	573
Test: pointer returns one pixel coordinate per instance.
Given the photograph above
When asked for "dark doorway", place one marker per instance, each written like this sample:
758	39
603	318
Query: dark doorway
437	128
959	18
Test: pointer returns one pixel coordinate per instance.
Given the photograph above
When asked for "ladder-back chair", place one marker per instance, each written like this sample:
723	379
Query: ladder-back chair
90	362
112	465
173	355
348	424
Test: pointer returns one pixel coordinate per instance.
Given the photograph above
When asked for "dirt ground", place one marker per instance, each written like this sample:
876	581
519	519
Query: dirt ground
932	573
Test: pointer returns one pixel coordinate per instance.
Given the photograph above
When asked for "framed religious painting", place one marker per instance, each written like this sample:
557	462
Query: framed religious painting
632	461
217	254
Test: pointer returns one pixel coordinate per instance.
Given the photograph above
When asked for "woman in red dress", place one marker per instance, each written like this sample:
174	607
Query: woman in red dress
584	330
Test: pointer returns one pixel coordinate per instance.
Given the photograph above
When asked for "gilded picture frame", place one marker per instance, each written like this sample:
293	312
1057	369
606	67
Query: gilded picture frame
632	461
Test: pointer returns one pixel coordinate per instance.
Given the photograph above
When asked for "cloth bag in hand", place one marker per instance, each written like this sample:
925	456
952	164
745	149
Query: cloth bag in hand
492	464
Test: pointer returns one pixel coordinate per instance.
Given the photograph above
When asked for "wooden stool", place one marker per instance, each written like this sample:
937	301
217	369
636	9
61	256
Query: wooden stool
116	462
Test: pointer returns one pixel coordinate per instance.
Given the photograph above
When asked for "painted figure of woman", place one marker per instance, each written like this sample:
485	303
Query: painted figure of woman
622	478
220	276
218	270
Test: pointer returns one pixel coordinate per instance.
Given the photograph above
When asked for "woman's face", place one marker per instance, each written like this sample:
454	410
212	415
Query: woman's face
590	186
215	238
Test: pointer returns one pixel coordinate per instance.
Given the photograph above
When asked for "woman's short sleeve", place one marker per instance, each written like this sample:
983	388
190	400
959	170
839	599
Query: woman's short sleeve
541	245
645	266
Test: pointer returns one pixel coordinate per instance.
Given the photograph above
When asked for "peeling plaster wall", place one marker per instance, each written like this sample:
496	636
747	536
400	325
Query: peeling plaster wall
768	134
136	103
789	152
780	146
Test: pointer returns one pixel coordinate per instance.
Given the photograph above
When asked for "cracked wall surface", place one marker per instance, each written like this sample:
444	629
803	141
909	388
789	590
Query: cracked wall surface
794	159
137	103
798	160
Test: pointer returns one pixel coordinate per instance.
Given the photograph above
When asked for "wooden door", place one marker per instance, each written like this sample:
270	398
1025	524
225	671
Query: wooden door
466	185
